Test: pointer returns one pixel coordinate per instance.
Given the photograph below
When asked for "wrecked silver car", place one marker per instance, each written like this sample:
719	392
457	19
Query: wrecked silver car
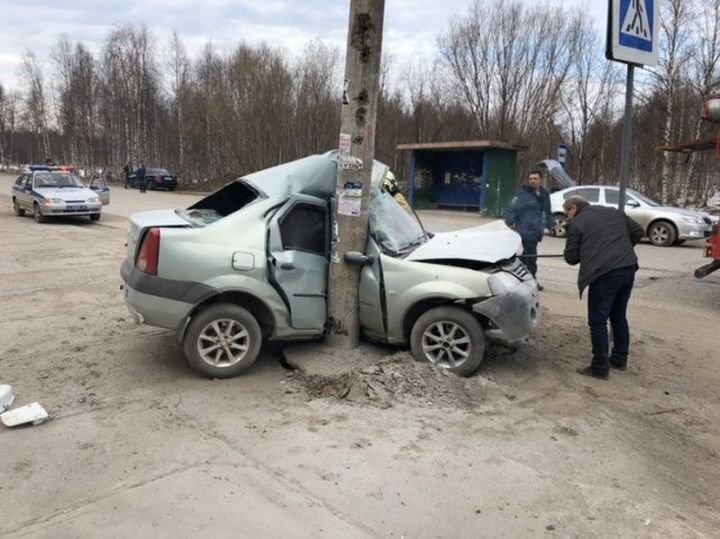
250	263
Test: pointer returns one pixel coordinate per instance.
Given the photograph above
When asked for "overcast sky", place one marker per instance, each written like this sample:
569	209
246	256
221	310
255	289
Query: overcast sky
411	26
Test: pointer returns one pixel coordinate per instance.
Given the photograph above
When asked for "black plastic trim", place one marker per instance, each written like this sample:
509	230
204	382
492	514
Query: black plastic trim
185	291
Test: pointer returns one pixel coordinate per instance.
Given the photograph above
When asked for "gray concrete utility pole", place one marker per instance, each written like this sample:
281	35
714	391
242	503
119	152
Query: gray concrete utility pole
356	151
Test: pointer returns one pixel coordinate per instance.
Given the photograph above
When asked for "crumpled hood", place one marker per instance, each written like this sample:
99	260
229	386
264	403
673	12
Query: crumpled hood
485	243
66	193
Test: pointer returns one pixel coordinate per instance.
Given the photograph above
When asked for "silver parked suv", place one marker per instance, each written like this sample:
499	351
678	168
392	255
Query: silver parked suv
250	262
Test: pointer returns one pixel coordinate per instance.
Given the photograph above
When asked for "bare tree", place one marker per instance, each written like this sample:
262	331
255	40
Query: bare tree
587	101
511	72
179	72
131	93
36	109
76	91
3	125
675	52
705	75
316	98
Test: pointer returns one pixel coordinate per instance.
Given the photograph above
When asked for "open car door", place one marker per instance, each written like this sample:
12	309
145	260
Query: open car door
298	246
100	186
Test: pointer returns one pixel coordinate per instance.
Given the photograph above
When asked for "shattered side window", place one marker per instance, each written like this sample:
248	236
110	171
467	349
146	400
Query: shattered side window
305	229
221	203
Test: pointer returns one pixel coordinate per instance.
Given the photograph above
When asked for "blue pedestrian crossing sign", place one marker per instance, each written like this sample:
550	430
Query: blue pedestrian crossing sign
633	31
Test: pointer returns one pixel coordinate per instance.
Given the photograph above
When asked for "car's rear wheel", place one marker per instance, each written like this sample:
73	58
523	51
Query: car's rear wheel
222	341
18	210
662	233
450	338
37	214
559	229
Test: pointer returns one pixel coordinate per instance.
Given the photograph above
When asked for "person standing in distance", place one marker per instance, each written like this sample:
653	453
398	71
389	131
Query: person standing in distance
126	174
140	175
602	240
529	214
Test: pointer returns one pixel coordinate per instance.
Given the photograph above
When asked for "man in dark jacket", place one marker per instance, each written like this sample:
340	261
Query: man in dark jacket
602	240
126	174
529	214
140	176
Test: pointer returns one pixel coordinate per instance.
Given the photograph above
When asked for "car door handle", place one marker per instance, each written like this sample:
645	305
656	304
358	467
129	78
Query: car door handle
287	266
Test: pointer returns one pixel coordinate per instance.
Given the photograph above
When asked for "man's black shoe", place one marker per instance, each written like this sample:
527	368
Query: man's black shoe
540	287
588	371
619	366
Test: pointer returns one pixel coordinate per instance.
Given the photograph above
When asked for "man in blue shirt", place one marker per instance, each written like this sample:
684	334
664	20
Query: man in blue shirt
529	214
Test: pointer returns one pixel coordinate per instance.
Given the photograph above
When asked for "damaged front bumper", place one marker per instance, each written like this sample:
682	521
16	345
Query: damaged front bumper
514	312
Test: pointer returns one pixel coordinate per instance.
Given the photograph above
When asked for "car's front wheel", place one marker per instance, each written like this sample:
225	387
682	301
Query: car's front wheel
18	210
450	338
95	217
37	214
662	233
559	229
222	341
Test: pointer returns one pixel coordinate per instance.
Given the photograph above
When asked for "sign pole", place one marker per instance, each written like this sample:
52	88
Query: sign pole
627	135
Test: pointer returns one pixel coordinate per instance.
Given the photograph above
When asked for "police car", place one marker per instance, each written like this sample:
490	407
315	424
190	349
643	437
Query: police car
53	192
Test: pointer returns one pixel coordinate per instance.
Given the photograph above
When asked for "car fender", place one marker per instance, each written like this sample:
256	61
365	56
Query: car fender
405	303
271	316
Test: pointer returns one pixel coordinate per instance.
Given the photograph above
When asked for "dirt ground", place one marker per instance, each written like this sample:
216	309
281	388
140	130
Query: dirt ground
364	443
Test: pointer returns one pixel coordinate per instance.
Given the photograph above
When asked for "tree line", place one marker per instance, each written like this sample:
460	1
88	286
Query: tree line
536	76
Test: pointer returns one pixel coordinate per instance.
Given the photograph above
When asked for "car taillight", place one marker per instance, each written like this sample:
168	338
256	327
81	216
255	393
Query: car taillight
147	258
159	178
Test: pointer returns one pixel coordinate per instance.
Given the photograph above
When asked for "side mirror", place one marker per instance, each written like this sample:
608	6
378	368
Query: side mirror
633	203
356	258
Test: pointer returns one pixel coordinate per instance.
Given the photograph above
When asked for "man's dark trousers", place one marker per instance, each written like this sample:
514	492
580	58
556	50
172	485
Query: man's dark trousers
529	256
608	298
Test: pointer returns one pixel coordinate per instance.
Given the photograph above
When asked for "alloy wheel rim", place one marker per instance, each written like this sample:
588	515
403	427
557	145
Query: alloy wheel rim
660	234
446	344
223	343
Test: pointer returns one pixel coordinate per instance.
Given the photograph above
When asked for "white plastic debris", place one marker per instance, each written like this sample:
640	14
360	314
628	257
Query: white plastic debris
30	413
6	397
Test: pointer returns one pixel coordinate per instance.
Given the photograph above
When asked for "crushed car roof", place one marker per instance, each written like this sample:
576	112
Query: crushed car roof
315	175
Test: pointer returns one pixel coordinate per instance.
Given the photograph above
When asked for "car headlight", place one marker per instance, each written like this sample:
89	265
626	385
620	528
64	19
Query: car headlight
53	201
501	283
692	219
93	200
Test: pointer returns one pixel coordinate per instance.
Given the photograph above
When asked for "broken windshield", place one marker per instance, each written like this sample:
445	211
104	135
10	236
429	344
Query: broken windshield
396	230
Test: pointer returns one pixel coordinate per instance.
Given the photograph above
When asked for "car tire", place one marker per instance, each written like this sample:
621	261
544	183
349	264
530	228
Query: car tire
449	338
18	210
95	216
171	188
37	214
559	229
662	233
211	334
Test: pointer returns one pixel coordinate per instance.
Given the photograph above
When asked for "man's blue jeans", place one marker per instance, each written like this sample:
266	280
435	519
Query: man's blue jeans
608	299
